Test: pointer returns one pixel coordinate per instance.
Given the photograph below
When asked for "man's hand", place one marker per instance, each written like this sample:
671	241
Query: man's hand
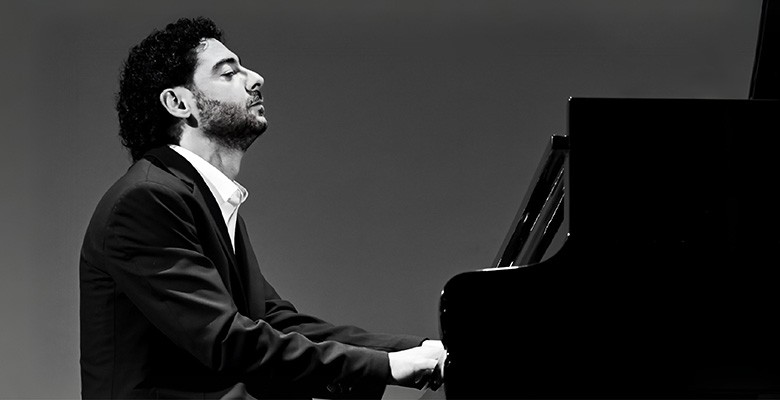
417	367
437	377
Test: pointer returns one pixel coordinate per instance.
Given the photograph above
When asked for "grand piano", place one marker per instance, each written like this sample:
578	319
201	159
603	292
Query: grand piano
643	262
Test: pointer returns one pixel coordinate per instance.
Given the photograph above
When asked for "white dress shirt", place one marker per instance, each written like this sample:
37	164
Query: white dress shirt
228	193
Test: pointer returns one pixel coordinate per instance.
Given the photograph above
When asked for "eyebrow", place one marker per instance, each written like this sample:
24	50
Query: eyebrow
227	60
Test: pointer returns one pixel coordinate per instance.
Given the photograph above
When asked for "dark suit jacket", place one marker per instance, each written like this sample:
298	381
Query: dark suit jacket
168	309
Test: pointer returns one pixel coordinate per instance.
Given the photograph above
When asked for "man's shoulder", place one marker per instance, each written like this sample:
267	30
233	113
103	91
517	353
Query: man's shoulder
142	188
140	179
144	174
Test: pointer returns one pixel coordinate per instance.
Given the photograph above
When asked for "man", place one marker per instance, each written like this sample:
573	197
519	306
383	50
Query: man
173	303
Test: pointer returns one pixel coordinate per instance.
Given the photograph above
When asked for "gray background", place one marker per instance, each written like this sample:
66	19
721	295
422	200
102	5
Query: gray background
402	139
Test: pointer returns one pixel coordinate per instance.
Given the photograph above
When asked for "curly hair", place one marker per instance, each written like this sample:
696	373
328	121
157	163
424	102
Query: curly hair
164	59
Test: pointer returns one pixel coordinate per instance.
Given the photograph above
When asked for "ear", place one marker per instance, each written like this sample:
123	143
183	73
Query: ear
176	102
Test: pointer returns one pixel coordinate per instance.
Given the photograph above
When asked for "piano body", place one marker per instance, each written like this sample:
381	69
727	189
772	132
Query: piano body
666	284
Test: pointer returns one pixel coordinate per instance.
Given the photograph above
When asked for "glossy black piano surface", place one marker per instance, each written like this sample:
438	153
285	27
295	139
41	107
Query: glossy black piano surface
666	285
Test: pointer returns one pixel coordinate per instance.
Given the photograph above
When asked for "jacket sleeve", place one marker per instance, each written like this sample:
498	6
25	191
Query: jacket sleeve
282	315
152	250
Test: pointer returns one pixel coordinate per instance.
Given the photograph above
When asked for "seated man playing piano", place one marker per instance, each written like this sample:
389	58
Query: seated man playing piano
173	302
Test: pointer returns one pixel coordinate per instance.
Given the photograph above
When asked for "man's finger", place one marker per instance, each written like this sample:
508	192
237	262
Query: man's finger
426	377
435	379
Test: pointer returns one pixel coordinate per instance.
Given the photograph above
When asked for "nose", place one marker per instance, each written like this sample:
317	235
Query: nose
254	81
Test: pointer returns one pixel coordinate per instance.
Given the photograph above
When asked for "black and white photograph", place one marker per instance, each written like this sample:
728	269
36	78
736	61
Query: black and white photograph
376	199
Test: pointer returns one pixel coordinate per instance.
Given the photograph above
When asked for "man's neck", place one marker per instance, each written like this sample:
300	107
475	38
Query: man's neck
228	161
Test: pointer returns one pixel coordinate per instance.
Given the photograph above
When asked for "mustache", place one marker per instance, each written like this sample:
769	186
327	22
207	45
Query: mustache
255	99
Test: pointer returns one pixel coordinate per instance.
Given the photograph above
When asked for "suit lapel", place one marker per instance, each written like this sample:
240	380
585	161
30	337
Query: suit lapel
170	160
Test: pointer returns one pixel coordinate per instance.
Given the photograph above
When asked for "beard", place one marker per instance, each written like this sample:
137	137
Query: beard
230	125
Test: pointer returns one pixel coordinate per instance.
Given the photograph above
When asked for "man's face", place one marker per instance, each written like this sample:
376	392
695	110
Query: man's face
229	103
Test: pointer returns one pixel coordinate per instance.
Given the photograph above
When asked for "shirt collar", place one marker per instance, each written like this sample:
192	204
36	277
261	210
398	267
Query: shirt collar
222	187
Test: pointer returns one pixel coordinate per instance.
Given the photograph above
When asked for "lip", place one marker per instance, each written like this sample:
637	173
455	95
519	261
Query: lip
260	109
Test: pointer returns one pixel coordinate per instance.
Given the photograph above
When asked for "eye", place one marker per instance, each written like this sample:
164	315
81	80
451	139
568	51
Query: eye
230	73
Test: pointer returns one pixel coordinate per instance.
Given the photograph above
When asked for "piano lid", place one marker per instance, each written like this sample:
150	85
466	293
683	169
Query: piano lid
765	81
